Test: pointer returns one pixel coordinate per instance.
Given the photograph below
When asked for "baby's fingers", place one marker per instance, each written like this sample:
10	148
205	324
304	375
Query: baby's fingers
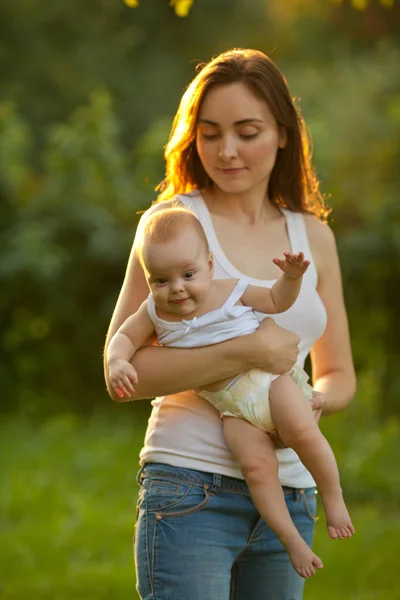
123	387
133	376
121	391
127	384
290	257
294	258
118	390
278	262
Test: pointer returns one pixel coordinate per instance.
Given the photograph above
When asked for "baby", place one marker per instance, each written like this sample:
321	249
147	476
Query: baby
187	308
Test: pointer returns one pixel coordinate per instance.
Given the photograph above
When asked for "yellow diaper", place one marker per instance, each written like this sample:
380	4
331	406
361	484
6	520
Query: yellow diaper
247	396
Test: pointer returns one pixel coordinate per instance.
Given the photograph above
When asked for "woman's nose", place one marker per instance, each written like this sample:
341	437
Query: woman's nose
227	149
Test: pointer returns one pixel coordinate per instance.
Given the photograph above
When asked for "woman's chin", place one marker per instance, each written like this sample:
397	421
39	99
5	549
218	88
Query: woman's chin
232	187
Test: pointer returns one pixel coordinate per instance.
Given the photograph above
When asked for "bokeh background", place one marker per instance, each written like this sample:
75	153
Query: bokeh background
88	91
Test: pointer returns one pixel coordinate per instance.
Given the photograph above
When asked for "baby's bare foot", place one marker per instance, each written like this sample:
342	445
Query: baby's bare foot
338	520
302	557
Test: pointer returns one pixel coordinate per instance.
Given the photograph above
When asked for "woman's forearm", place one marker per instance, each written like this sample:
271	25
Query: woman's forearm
338	388
163	371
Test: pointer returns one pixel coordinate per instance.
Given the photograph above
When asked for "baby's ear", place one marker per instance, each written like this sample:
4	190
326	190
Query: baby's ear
211	263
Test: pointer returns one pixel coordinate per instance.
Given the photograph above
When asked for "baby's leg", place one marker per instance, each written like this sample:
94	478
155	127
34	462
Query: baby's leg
293	418
255	454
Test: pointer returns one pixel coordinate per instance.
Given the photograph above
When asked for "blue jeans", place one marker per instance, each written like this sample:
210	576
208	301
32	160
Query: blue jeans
199	537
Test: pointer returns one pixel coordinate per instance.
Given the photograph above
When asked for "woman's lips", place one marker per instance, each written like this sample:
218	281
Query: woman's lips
232	171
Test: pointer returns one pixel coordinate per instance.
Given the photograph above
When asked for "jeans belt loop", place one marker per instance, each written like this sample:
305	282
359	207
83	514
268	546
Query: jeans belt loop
216	484
298	494
140	475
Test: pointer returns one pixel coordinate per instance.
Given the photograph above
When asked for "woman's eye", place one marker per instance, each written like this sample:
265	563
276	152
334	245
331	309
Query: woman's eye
209	134
248	135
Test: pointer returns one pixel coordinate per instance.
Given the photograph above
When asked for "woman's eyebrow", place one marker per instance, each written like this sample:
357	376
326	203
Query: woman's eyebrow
241	122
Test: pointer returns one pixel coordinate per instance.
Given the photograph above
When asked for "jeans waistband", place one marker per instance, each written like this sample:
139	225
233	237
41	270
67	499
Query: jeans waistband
214	481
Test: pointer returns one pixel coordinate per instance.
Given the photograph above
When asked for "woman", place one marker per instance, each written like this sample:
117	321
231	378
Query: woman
238	158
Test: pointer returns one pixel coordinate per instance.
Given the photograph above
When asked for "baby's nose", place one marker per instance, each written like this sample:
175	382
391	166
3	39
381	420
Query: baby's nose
177	286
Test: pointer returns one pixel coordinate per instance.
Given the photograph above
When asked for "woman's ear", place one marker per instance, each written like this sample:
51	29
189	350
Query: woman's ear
282	137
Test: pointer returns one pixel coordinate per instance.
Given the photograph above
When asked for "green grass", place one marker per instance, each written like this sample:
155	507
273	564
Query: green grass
67	504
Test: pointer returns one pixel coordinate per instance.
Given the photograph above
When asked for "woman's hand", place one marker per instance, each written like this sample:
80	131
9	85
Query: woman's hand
317	404
275	349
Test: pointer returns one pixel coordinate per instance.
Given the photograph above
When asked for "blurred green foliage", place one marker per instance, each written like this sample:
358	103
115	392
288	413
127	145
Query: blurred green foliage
67	499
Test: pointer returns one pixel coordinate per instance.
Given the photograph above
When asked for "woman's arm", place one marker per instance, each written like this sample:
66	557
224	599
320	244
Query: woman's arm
163	371
332	363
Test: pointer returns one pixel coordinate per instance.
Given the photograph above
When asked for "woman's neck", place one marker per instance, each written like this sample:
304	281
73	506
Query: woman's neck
252	206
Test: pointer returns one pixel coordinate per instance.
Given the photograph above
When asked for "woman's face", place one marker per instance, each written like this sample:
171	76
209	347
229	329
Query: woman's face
237	138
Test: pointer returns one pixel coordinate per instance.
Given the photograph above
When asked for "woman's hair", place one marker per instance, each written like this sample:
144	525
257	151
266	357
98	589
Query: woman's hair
166	225
293	182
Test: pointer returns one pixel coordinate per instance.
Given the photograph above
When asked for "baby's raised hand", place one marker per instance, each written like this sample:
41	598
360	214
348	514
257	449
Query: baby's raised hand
293	265
123	377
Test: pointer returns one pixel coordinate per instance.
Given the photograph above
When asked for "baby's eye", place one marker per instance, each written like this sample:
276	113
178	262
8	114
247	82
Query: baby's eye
161	281
189	274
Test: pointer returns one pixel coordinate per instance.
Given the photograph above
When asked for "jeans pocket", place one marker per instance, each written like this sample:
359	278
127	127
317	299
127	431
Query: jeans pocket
309	501
172	497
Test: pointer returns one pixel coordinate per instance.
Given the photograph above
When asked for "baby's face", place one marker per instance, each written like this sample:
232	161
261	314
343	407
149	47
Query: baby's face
179	273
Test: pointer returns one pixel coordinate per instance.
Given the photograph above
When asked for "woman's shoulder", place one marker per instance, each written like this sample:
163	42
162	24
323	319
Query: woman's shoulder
319	233
164	205
322	243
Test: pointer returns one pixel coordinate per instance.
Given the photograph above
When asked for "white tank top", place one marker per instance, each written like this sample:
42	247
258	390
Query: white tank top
229	321
184	430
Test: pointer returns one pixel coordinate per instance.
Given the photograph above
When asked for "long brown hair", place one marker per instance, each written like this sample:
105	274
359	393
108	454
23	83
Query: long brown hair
293	182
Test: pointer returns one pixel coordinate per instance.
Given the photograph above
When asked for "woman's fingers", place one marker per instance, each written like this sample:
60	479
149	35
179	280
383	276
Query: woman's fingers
317	400
276	348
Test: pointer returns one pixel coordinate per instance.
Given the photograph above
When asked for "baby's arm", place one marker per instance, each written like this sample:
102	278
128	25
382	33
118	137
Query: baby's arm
284	292
132	334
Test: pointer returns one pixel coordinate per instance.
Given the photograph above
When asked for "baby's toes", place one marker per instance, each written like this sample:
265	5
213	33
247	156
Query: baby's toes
332	532
348	530
303	572
317	562
310	570
340	534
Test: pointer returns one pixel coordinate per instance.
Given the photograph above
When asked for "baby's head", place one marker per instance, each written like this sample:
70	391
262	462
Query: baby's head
173	251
